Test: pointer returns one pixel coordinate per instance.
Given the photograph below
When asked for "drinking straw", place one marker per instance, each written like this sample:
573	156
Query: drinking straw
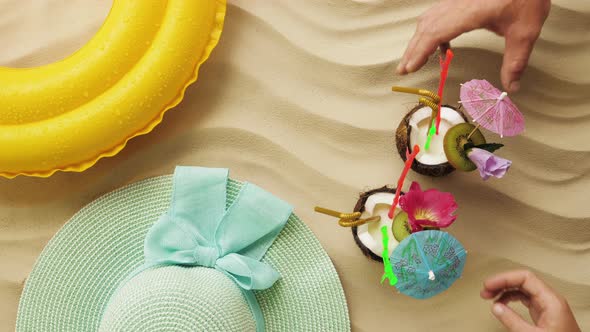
433	105
357	222
431	133
409	160
444	64
388	269
420	92
431	128
354	215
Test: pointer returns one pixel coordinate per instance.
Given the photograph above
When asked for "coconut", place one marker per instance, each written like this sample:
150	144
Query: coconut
368	236
413	130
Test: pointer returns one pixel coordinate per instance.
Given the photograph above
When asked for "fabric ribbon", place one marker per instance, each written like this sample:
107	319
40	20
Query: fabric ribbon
198	230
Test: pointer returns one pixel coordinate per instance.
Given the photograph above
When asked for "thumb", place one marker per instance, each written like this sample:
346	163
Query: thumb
516	58
510	319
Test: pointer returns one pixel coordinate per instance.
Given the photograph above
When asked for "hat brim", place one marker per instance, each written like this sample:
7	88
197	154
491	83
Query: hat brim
83	264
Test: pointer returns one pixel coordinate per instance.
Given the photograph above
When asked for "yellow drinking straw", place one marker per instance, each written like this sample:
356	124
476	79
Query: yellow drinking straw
347	219
420	92
354	215
429	103
358	222
429	99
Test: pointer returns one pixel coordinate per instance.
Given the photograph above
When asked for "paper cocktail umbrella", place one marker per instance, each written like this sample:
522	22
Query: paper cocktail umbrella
427	263
491	109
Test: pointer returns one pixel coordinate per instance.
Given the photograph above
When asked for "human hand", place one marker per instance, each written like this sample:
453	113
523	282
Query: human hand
549	311
519	21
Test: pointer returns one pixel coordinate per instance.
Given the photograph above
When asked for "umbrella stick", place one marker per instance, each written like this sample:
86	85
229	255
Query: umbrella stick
473	131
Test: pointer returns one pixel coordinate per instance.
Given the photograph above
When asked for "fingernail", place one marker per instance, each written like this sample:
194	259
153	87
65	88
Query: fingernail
399	69
410	66
497	309
514	86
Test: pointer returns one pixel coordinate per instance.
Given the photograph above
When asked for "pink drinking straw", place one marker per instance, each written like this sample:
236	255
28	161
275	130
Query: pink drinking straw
444	65
400	183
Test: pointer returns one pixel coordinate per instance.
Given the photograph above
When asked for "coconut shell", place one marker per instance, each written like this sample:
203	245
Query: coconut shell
360	207
402	142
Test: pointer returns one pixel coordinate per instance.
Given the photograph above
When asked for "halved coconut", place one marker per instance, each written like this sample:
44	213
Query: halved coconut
368	236
413	131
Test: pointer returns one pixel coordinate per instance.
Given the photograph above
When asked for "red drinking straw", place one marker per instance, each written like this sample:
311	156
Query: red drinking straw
444	65
400	183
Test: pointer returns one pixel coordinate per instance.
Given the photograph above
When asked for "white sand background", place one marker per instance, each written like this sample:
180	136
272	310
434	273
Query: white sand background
296	98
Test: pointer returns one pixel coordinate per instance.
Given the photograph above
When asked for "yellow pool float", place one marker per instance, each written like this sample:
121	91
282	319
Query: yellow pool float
69	114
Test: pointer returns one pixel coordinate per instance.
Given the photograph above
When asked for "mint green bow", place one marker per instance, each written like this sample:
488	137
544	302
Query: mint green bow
197	230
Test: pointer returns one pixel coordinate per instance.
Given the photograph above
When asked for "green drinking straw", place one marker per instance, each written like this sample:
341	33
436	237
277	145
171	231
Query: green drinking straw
431	133
433	117
386	264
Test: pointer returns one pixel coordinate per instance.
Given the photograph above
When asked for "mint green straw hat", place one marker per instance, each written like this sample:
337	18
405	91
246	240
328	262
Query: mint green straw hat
193	252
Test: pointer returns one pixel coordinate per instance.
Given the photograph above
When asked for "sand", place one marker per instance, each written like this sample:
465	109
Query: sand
296	98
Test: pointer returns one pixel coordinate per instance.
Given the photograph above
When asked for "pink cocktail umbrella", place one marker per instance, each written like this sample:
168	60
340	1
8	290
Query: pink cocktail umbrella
491	108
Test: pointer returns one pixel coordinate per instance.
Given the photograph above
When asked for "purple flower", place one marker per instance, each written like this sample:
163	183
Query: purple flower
488	164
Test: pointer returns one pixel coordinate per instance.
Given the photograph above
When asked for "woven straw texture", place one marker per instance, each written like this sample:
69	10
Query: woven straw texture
176	298
81	267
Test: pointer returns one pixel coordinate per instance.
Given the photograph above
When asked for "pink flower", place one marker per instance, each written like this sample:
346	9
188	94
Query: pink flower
488	164
430	208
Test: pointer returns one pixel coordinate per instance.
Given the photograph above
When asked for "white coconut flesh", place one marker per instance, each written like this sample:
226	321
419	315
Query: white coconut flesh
420	123
369	234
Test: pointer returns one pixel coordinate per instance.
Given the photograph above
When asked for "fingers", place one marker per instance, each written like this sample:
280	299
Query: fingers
423	44
419	49
514	296
522	280
510	319
516	58
437	26
425	47
401	68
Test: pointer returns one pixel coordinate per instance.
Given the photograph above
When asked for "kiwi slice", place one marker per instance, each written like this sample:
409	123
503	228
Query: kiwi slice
455	139
401	227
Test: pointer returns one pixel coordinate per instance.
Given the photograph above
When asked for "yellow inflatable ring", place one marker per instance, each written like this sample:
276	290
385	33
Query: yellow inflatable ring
69	114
